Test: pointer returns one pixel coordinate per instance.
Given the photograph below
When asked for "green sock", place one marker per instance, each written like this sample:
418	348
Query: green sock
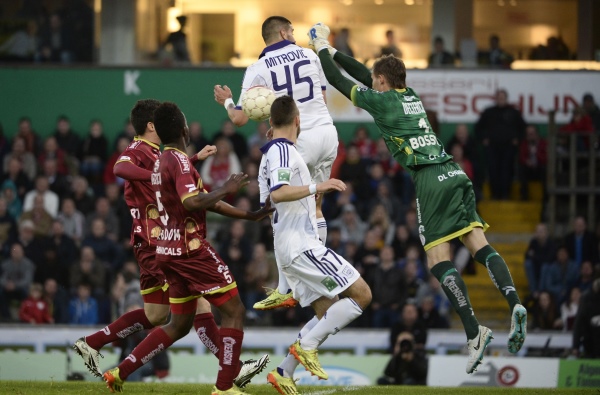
456	291
498	271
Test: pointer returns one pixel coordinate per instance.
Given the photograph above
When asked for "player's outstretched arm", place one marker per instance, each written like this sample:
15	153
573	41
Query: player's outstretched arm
205	201
357	70
334	76
228	210
131	172
224	97
289	193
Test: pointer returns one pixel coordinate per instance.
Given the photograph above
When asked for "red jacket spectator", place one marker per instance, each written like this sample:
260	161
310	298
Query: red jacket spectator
533	149
35	311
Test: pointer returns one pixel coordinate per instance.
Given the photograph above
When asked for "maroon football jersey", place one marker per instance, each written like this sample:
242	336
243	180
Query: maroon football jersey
174	180
140	196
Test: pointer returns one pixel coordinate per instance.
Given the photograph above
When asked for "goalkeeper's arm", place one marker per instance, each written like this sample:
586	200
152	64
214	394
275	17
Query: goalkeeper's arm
353	67
334	76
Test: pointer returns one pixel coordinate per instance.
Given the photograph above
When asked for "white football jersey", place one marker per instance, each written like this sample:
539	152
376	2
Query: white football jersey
294	71
294	223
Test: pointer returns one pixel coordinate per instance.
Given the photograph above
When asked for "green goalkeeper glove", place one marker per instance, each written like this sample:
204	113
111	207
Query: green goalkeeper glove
318	38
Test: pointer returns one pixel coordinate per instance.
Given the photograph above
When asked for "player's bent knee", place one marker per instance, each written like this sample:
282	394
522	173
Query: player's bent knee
360	293
157	314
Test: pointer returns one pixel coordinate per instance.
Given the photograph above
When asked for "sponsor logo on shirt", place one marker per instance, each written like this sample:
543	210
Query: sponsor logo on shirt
329	283
283	175
125	157
184	162
169	251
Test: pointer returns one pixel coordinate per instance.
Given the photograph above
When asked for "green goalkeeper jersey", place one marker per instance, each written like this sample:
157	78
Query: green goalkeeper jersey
402	122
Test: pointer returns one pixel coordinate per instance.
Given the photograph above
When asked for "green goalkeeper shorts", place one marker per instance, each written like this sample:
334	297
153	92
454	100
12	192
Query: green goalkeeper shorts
446	206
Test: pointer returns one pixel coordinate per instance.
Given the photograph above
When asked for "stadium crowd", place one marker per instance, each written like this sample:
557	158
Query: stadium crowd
65	227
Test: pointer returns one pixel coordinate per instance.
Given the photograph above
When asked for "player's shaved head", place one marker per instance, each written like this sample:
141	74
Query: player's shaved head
393	69
169	122
272	26
283	111
142	113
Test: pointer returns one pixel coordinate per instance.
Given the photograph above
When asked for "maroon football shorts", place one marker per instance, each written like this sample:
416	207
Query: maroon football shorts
153	285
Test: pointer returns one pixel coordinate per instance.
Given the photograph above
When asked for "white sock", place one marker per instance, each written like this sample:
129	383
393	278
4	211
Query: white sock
322	229
340	314
283	287
289	363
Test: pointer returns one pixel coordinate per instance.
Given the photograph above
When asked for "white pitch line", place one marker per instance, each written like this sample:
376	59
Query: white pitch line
332	391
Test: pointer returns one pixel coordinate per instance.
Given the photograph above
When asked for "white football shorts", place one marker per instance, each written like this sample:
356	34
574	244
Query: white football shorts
319	272
318	147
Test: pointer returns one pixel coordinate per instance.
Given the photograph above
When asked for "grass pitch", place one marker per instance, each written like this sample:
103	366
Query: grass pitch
52	388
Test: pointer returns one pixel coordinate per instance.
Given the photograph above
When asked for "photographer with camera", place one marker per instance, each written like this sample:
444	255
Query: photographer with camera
408	365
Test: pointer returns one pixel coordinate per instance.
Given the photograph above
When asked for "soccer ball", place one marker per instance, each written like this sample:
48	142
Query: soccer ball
256	103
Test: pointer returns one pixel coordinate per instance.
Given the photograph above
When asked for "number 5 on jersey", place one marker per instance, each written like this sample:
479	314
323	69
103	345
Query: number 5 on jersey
164	217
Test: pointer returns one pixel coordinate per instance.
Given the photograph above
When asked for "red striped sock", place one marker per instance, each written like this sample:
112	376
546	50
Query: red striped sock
230	347
125	325
154	343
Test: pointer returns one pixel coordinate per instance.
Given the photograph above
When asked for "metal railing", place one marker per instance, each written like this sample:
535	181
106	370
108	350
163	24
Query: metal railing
572	173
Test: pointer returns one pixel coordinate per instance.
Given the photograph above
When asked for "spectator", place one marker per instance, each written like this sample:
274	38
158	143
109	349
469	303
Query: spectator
217	169
88	270
429	315
568	309
109	176
464	139
559	276
581	243
367	255
412	280
57	183
236	250
22	45
334	241
238	142
82	195
31	138
354	171
586	276
93	154
379	218
83	309
35	310
586	331
544	313
66	138
439	313
408	365
495	56
402	240
56	41
104	212
409	322
34	247
8	229
341	42
197	138
17	276
128	133
4	143
540	252
259	137
592	110
580	122
259	274
533	156
178	42
440	57
58	301
39	216
413	255
53	151
499	129
366	147
464	163
42	188
73	221
390	47
61	254
388	290
26	158
107	250
391	204
120	208
17	176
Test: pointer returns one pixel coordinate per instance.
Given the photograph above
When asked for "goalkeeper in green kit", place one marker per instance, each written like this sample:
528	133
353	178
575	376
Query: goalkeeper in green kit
445	199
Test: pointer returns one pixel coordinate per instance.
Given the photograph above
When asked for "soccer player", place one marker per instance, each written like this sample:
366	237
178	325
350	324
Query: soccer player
445	199
316	274
294	71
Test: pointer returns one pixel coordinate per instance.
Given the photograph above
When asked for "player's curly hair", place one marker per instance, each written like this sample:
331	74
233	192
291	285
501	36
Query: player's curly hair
393	69
283	111
169	122
142	113
272	25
